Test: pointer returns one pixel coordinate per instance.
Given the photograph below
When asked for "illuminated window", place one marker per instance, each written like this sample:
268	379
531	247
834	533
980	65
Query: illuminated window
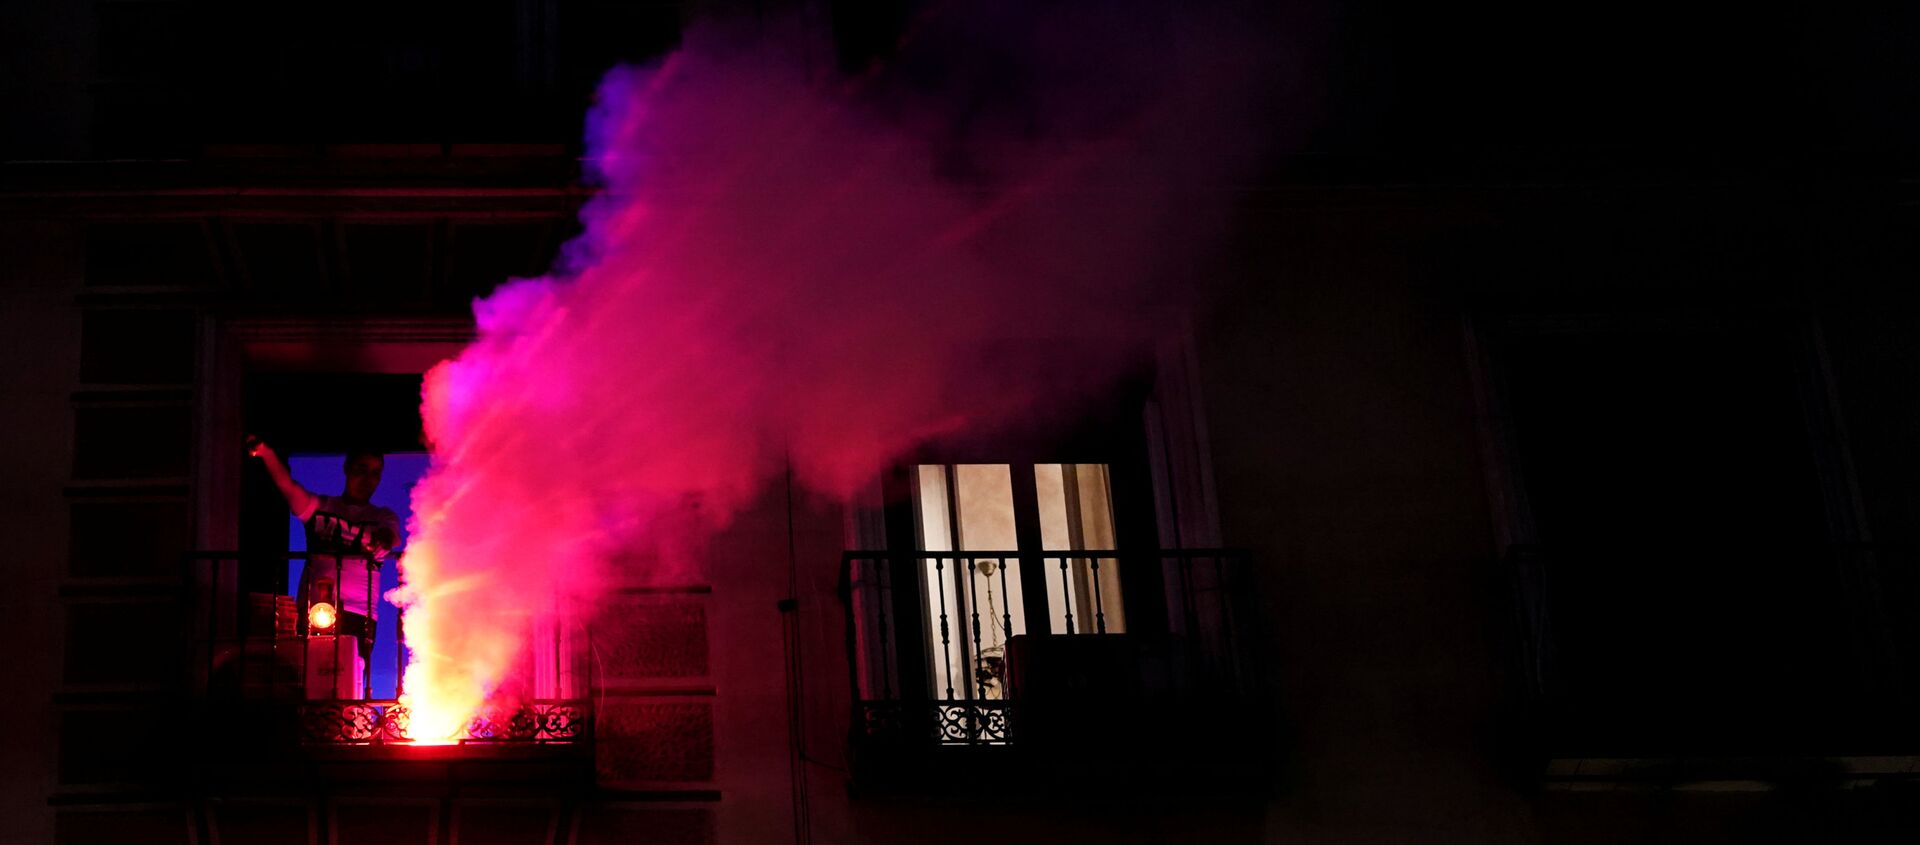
976	604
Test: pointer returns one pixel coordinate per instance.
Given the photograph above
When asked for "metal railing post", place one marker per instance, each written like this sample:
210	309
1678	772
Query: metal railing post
946	646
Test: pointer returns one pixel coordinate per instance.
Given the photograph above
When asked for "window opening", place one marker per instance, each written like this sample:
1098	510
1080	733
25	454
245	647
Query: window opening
977	604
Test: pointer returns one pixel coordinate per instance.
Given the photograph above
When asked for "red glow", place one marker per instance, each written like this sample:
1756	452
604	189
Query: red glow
321	617
777	274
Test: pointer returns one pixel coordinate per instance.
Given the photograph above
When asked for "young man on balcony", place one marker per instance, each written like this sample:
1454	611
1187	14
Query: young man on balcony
345	535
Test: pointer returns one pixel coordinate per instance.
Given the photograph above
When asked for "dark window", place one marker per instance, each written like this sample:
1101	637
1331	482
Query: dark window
1697	599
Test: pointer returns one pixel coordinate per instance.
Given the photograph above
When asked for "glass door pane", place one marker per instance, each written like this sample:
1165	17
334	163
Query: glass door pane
974	604
1076	513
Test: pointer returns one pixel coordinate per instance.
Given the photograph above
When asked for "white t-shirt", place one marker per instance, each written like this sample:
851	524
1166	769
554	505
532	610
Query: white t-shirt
339	525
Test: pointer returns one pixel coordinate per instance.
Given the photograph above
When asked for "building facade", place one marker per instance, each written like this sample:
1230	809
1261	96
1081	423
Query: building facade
1533	481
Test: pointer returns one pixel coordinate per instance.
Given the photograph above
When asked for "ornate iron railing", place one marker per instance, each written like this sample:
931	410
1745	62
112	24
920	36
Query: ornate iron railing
943	625
991	648
250	634
350	722
253	658
940	722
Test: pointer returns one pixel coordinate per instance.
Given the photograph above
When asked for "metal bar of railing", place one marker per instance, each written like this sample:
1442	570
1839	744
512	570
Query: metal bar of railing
368	567
975	660
242	629
1066	593
946	646
232	621
1006	618
1203	631
1204	628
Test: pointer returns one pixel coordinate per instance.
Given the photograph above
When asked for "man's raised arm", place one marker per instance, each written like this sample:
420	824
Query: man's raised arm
299	500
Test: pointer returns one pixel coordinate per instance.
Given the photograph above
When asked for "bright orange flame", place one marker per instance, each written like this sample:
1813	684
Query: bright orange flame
458	650
321	617
417	738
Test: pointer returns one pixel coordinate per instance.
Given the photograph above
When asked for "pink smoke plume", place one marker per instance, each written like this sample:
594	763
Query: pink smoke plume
788	269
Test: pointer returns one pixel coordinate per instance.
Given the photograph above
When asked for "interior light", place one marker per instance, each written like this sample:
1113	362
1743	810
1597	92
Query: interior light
320	617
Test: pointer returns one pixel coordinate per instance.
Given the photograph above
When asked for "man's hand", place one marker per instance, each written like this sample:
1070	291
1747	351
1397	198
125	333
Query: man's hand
258	448
299	501
383	542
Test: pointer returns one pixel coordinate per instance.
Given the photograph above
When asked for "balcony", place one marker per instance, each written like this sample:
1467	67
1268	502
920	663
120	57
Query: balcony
991	669
275	674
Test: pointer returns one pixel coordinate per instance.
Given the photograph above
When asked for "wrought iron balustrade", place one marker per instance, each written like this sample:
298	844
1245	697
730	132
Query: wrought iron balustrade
942	722
254	656
347	722
990	648
250	636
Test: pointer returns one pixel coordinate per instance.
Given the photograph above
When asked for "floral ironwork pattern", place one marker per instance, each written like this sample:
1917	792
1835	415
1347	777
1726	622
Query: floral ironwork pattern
343	722
386	722
540	721
946	722
972	722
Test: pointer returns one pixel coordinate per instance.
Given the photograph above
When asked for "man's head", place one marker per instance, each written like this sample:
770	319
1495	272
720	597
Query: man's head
363	468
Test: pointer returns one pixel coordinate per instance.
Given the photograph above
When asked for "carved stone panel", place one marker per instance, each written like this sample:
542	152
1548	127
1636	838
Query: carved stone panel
644	742
648	638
